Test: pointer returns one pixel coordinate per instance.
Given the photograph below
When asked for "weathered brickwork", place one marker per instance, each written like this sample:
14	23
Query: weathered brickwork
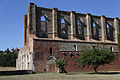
51	33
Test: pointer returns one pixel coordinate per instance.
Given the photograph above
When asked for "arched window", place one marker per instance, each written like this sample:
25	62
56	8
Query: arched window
95	30
79	29
109	31
63	28
63	32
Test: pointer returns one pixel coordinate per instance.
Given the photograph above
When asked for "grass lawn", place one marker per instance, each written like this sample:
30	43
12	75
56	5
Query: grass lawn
56	76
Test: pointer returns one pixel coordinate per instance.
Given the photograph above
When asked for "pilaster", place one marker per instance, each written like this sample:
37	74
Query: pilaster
88	23
116	27
103	28
54	23
72	27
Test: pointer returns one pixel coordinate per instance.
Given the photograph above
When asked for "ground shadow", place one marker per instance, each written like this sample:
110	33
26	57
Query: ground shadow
16	72
106	73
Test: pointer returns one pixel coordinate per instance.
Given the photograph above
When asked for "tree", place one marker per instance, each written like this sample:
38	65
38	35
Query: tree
95	57
119	43
60	63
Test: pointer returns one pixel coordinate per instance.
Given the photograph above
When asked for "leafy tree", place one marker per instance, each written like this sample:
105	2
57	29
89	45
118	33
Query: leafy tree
95	57
7	50
119	43
8	59
60	63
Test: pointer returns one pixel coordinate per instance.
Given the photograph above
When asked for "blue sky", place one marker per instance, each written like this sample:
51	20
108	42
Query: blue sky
12	15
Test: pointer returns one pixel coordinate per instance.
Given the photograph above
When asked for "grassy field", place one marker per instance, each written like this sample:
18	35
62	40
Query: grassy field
56	76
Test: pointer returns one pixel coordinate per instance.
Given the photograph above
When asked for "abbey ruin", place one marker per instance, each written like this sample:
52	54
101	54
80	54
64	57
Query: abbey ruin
51	33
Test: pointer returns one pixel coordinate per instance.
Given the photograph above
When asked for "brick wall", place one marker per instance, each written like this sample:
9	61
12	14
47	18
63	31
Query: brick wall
42	53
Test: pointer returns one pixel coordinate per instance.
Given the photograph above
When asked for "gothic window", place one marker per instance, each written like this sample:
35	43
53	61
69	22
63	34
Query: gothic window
51	52
95	30
109	32
63	32
79	29
43	27
111	48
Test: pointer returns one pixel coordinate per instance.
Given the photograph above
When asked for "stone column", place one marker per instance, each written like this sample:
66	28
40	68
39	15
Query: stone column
103	28
54	23
72	27
116	27
88	23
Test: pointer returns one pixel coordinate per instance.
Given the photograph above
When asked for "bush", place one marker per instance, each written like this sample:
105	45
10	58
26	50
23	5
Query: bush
60	63
95	57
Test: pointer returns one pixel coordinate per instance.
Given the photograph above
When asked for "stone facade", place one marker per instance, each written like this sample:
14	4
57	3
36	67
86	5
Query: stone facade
51	33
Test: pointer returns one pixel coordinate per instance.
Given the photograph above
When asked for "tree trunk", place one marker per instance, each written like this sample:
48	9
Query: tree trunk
95	70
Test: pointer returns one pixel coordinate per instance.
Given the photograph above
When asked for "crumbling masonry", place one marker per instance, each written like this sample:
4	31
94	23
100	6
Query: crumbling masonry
51	33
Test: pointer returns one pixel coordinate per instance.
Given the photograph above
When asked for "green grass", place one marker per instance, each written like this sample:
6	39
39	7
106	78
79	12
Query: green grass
56	76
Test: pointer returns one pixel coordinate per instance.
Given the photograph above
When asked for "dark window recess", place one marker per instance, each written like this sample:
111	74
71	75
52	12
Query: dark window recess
80	29
109	32
111	48
51	53
75	48
71	55
95	30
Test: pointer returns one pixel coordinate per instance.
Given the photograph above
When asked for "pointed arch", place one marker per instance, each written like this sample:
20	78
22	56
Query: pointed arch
79	29
109	32
95	30
63	29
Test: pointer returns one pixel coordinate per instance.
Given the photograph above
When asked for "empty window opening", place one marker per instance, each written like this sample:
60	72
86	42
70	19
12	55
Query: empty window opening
63	27
43	27
94	24
75	48
109	31
51	52
79	27
111	48
95	30
107	26
42	18
62	21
